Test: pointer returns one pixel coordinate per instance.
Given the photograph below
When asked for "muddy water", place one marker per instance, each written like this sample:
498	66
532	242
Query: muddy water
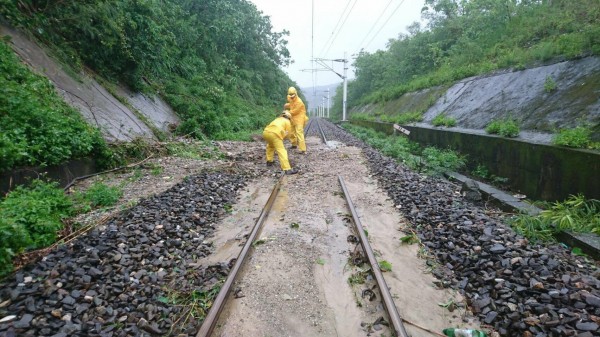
418	300
296	281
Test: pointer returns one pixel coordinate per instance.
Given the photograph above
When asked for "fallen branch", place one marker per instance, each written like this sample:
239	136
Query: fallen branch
104	172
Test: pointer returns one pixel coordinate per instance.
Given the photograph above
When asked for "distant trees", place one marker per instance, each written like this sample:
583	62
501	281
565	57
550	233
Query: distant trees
469	37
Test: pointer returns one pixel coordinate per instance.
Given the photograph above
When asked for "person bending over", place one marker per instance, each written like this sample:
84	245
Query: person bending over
274	134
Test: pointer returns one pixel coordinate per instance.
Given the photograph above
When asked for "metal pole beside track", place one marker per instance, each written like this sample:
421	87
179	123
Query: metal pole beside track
213	314
388	302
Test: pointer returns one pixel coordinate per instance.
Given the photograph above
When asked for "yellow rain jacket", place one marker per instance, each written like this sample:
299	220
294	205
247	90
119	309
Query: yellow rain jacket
274	134
280	126
298	111
297	108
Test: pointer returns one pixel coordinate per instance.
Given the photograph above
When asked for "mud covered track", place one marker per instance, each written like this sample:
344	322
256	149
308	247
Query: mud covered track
132	275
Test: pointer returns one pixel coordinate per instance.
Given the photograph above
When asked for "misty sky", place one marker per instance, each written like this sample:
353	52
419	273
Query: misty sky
336	32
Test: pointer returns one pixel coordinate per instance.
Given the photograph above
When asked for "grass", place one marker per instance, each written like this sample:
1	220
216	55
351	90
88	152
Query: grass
359	277
579	137
31	217
410	239
194	150
194	303
505	127
575	214
429	160
549	84
443	120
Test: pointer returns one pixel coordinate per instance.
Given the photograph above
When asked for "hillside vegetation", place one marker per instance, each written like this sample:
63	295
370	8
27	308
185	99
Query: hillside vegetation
216	62
473	37
36	126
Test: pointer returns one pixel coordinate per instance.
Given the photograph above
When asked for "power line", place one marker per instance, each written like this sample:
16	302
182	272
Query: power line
336	25
376	22
312	44
343	23
332	37
386	21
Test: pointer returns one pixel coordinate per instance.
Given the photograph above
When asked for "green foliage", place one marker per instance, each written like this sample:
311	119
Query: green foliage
404	118
194	302
358	116
549	84
443	120
430	160
385	266
122	153
505	128
574	214
216	62
359	277
410	239
30	218
194	150
36	126
101	195
579	137
440	161
481	171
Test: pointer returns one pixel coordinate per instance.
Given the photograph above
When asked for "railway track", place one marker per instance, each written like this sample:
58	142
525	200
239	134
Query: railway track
155	268
362	255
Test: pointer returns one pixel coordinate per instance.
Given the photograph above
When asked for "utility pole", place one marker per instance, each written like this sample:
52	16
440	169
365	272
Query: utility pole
328	102
344	77
345	88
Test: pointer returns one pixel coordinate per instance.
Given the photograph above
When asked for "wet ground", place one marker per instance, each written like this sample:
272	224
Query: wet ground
296	282
172	238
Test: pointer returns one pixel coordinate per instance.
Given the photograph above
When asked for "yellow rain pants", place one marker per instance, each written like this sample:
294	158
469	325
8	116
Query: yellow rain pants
275	144
298	111
274	134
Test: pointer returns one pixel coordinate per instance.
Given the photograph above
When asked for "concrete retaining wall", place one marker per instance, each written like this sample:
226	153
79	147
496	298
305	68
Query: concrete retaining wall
541	172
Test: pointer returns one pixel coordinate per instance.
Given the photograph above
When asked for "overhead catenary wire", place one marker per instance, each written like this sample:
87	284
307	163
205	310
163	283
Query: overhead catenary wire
385	23
341	26
375	24
335	27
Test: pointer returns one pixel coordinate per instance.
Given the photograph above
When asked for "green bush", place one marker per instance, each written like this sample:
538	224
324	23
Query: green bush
30	218
575	214
36	126
431	160
579	137
408	117
101	195
443	120
438	161
505	128
481	171
549	84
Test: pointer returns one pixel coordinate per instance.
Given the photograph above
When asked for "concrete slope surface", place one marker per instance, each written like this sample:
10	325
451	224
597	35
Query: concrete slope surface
99	107
525	96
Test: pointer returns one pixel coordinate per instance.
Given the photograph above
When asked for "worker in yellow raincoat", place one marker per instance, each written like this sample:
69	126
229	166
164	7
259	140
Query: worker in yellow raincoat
299	119
274	134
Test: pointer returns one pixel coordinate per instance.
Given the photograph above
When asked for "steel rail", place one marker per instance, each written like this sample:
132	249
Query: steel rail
219	302
322	134
307	127
388	301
